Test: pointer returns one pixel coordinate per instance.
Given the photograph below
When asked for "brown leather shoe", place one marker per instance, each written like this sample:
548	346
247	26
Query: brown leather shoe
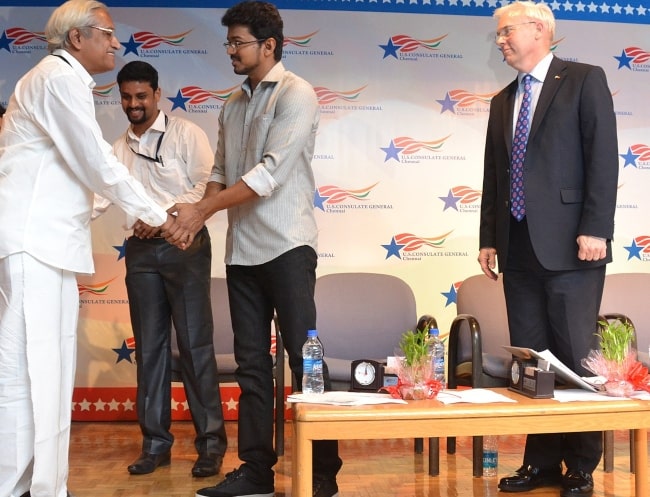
528	478
207	465
147	463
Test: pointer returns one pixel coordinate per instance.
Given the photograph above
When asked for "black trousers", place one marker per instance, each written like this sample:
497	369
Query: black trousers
166	284
558	311
286	285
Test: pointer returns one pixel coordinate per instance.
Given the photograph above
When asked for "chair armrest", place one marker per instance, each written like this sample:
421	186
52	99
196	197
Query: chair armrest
454	345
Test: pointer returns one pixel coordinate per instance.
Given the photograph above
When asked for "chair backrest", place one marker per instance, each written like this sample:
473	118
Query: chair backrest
361	316
223	337
625	293
483	298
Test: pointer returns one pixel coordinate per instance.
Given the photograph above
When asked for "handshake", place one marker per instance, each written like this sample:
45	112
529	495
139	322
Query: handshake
183	222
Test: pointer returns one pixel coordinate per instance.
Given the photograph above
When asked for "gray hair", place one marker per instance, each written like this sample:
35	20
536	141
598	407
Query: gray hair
71	14
537	11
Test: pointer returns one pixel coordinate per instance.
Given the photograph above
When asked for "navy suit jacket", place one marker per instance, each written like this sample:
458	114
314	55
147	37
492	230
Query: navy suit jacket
570	169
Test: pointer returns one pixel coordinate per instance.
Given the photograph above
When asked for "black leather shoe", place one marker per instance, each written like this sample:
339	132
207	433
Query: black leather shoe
207	465
528	478
147	463
577	483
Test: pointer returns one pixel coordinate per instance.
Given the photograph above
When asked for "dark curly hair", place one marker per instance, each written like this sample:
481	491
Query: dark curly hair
138	70
262	19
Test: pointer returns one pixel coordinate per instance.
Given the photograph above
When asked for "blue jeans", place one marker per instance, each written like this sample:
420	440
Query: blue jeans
284	285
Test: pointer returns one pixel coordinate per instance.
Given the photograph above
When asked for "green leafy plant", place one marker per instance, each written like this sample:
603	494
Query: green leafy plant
414	346
615	339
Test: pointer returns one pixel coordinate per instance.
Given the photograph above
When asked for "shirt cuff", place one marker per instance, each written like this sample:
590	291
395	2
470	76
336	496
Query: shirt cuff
260	181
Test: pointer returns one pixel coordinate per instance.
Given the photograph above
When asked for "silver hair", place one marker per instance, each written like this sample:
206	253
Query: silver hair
537	11
71	14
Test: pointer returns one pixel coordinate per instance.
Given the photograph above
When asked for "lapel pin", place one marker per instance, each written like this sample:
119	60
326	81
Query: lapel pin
557	76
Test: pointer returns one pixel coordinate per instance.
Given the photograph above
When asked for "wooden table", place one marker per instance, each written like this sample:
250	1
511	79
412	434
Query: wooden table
431	418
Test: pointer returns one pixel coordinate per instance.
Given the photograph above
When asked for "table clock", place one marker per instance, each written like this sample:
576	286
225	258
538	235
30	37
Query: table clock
367	375
526	378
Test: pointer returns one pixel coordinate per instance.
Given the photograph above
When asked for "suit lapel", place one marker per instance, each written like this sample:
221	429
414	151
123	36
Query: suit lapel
552	83
511	92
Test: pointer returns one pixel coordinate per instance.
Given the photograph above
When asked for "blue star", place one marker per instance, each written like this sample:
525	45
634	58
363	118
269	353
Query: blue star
450	295
447	104
121	249
624	60
392	151
319	200
131	46
390	49
629	157
393	249
178	101
124	353
633	250
5	41
450	201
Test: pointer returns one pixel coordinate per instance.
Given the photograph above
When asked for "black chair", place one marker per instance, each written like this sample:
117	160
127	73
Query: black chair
224	353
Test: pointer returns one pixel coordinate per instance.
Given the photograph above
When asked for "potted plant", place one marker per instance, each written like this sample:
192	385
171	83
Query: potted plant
616	357
414	366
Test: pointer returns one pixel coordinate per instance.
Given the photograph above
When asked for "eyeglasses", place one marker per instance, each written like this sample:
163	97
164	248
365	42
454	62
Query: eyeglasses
236	45
507	30
110	32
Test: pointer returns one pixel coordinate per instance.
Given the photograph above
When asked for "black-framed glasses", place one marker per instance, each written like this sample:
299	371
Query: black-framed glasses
506	31
110	32
236	45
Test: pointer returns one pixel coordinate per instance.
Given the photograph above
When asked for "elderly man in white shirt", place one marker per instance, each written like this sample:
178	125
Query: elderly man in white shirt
52	159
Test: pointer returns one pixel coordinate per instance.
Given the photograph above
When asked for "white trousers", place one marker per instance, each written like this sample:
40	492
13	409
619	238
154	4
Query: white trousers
39	309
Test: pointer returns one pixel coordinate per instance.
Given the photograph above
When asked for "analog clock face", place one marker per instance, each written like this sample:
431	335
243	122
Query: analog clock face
515	372
365	373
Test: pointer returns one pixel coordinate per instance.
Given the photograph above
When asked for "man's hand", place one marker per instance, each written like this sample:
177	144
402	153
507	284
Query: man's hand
487	258
591	248
143	230
188	221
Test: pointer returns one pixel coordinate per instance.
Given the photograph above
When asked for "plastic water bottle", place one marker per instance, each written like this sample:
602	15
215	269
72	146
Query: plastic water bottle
490	455
312	364
437	354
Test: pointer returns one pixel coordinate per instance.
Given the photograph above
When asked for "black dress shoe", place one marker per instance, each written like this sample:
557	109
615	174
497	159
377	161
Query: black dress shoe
528	478
577	483
147	463
207	465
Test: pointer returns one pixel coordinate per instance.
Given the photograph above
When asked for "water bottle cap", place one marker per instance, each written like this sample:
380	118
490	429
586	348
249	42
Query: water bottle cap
312	333
434	331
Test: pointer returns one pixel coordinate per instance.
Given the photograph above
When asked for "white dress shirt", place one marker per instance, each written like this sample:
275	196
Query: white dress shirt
181	167
52	158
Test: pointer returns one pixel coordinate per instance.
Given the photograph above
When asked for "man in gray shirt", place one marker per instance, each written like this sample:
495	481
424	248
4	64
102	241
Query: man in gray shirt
262	175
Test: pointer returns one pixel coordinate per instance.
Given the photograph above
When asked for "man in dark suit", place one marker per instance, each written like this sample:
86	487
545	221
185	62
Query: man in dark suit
548	213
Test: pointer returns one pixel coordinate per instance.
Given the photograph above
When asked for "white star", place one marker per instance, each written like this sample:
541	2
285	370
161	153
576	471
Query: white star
174	404
73	405
100	405
467	3
386	1
555	6
440	2
231	404
580	7
593	7
617	8
641	10
114	405
413	2
85	405
629	10
399	1
128	405
186	406
568	6
604	8
426	2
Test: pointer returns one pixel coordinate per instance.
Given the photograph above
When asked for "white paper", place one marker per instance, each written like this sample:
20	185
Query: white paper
578	394
472	396
337	398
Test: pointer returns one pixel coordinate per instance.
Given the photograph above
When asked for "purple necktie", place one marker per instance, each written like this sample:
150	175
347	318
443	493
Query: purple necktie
517	196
